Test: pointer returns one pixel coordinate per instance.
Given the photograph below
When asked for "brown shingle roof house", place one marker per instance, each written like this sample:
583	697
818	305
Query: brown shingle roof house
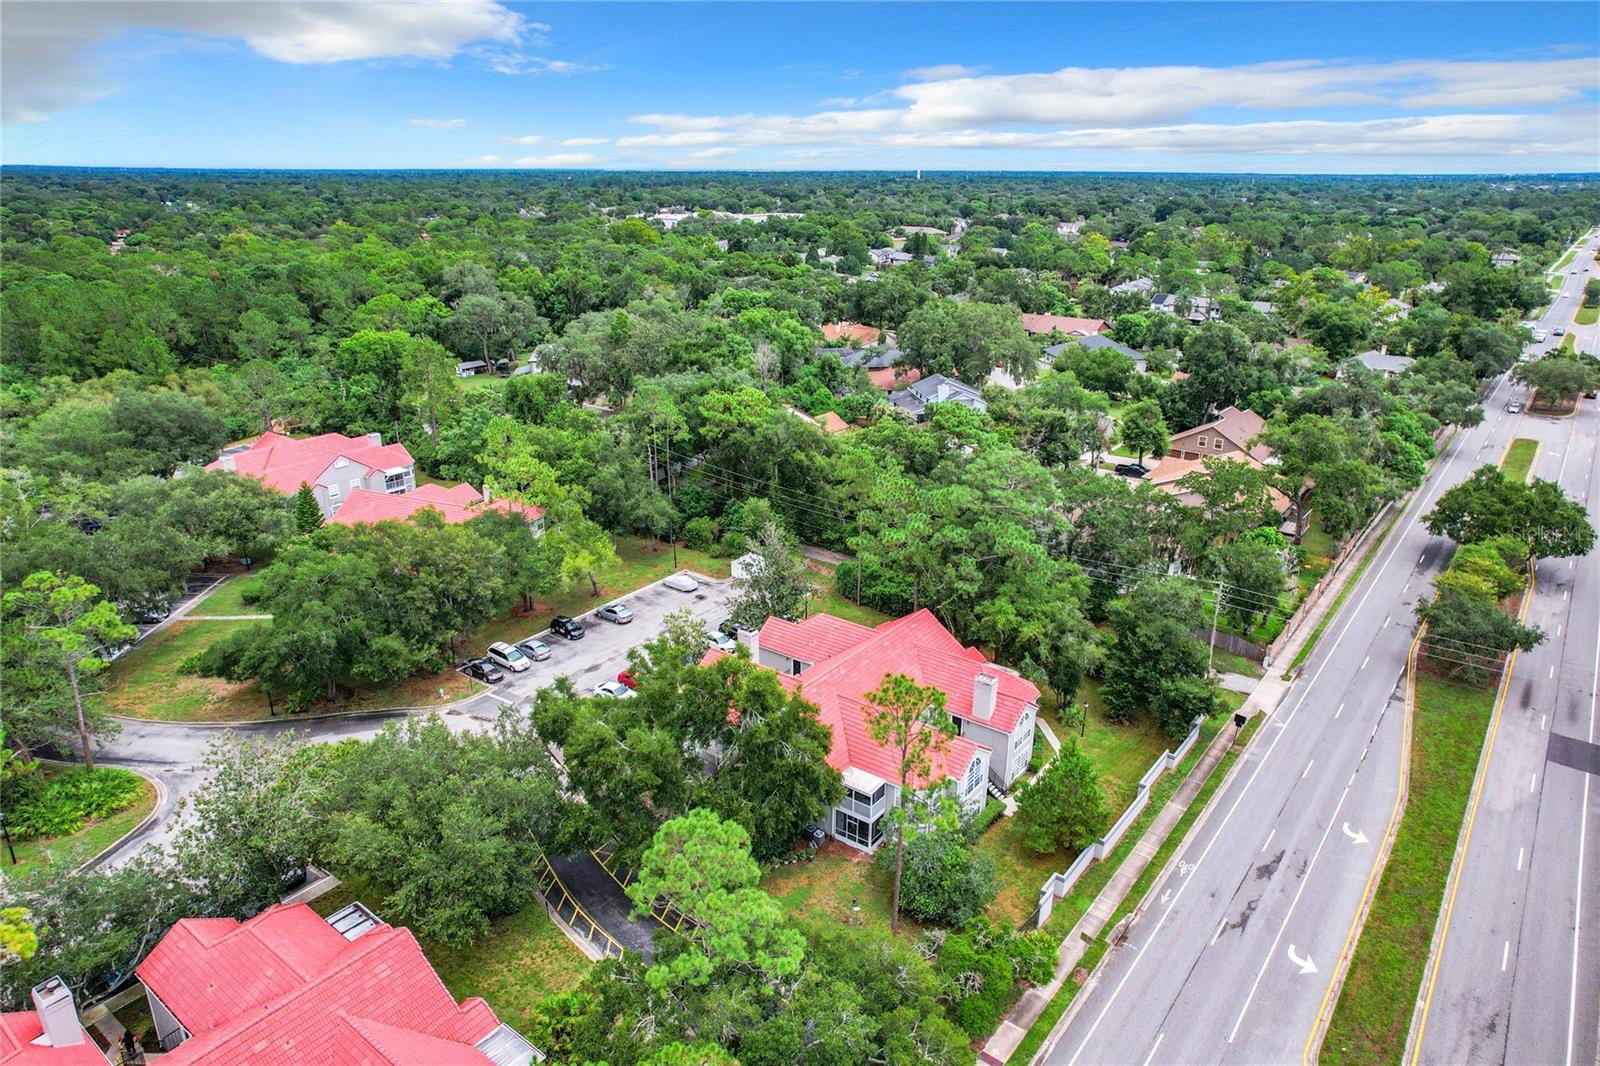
854	331
1230	433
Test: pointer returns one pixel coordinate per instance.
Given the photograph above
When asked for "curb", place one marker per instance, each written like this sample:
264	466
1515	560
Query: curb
1341	968
150	819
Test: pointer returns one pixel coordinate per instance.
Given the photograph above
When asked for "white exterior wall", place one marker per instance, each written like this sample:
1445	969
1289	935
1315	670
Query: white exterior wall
334	485
168	1029
1012	751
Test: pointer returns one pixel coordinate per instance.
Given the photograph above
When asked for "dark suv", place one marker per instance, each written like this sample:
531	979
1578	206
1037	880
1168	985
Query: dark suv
562	626
1132	470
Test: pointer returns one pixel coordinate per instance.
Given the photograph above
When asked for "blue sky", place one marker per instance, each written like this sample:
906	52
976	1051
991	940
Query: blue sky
1139	86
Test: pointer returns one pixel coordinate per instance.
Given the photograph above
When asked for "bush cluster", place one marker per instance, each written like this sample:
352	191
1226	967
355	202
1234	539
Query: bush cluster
51	806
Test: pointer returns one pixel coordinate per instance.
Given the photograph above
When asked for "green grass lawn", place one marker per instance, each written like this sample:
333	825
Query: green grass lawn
225	599
1373	1016
1229	663
839	886
148	683
1564	260
1587	316
36	857
524	957
1519	458
831	602
1569	341
1121	752
640	562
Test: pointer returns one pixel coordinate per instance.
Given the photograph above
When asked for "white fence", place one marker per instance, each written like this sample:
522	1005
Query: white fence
1059	884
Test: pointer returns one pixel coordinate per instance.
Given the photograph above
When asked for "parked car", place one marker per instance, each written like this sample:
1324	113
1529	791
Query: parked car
508	657
681	582
483	670
614	689
562	626
152	615
1559	332
628	679
1132	470
534	648
615	612
1514	406
723	642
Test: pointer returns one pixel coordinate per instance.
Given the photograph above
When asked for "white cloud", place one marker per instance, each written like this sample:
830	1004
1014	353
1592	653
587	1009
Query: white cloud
488	160
45	63
940	72
438	123
516	62
714	153
583	142
532	138
559	159
1174	110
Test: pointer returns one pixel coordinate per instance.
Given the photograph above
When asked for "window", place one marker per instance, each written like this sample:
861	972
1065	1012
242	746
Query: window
857	831
1218	444
955	720
974	775
333	492
394	482
1201	441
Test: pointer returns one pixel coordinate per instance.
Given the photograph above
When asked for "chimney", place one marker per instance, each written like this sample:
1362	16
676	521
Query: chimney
227	463
58	1017
984	689
754	642
375	439
487	498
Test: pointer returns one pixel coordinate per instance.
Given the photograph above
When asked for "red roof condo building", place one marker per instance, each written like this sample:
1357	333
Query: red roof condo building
834	664
287	988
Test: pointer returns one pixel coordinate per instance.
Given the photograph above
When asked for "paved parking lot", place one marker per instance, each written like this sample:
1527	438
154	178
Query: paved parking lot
603	651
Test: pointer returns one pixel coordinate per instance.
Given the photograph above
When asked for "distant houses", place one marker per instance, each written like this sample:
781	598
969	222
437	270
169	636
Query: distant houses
853	332
938	388
1066	325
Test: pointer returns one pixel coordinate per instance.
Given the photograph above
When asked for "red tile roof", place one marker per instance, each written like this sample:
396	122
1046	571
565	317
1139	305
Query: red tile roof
1080	327
285	989
854	330
832	423
849	661
890	378
286	463
460	503
20	1029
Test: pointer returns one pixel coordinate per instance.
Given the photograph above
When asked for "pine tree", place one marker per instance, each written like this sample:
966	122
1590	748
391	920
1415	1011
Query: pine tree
307	512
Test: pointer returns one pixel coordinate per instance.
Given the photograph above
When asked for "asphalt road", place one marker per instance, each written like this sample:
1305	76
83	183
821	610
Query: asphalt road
172	752
1235	959
1518	964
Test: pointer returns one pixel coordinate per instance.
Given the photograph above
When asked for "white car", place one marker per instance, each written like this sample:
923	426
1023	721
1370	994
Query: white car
681	581
507	657
723	643
615	689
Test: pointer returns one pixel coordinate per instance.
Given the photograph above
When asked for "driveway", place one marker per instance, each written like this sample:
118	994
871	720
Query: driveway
603	651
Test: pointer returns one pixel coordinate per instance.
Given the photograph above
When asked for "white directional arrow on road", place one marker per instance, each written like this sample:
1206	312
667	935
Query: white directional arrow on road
1356	837
1166	896
1305	964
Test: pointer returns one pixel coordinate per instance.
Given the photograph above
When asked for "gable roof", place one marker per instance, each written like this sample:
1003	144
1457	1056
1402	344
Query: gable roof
936	389
286	988
1239	428
1383	362
1062	324
832	423
285	463
459	503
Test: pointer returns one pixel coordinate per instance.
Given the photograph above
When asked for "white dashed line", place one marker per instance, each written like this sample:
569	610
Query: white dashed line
1307	770
1270	835
1340	711
1520	852
1365	661
1533	779
1505	955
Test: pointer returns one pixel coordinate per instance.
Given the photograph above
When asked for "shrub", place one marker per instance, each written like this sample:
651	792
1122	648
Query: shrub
59	805
988	816
979	977
699	533
944	882
250	591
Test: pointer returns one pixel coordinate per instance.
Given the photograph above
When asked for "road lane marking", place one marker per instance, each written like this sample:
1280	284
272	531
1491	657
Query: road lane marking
1505	955
1533	779
1415	508
1157	1044
1221	925
1340	711
1307	770
1272	952
1552	670
1386	620
1520	853
1365	661
1270	835
1541	723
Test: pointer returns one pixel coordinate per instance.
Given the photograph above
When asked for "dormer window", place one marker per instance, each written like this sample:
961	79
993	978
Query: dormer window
1201	441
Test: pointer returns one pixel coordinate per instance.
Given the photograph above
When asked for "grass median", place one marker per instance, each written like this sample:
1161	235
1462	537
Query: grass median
1373	1015
1519	459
